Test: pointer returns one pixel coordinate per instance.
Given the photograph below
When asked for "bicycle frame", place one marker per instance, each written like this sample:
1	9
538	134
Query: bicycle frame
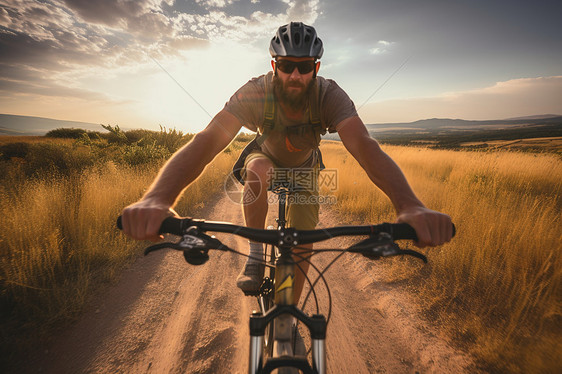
280	314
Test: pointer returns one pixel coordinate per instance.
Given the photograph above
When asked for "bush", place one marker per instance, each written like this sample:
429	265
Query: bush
244	137
136	154
116	135
171	139
66	133
10	150
58	159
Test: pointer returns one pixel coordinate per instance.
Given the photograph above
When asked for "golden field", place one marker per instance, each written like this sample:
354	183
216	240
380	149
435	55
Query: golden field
497	287
58	235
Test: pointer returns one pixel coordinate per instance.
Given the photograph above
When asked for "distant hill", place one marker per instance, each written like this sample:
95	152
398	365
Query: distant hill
444	123
454	133
27	125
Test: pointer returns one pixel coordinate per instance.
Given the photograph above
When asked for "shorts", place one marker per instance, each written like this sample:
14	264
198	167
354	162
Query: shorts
302	203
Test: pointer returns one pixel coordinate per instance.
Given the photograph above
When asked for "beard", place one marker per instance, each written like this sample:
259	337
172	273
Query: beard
294	100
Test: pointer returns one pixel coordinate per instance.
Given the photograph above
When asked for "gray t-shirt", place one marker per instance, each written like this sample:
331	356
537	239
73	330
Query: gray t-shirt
247	105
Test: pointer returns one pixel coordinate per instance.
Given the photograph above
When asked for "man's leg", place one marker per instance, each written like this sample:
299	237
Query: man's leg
302	269
255	205
302	214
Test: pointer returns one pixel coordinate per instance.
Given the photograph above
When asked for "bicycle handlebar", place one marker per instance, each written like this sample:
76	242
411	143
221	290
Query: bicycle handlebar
288	236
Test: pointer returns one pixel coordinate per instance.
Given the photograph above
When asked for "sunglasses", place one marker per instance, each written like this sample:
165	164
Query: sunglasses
288	67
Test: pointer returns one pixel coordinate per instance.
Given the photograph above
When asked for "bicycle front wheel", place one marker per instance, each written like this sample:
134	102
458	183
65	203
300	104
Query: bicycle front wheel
266	300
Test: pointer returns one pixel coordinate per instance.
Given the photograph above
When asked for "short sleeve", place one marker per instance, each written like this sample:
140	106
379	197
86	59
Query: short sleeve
336	106
247	104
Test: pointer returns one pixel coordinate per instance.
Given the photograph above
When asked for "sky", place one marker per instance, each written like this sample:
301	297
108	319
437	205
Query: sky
172	63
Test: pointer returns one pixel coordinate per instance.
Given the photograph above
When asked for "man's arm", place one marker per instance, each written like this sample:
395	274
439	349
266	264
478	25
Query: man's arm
142	219
433	228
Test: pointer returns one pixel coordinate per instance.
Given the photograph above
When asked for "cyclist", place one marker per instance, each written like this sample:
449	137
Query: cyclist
289	107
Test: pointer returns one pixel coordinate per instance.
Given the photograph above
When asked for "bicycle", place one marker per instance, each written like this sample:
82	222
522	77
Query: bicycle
272	323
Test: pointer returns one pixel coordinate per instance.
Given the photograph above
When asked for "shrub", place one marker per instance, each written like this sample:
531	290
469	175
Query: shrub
10	150
66	133
136	154
116	135
171	139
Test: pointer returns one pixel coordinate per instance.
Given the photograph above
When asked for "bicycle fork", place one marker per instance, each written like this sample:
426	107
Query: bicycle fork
317	326
281	313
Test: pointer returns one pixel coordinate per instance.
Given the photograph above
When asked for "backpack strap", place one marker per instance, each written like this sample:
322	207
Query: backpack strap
269	110
314	103
315	111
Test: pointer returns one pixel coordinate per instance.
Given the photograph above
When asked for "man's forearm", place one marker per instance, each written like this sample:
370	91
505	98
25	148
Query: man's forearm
182	169
386	174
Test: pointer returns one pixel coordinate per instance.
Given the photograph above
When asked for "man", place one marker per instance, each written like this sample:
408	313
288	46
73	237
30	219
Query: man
289	107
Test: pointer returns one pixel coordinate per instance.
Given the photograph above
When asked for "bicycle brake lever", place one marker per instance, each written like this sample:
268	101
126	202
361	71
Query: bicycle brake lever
194	244
159	246
382	245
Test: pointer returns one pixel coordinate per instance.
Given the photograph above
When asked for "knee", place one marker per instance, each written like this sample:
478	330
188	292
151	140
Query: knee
259	169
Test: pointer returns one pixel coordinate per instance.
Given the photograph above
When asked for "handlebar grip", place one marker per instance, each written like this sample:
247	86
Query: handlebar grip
170	225
173	225
403	231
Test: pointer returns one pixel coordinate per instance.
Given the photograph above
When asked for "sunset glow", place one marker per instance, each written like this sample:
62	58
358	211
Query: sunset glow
175	63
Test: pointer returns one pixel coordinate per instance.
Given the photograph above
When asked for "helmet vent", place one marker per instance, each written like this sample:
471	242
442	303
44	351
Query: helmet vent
286	37
297	38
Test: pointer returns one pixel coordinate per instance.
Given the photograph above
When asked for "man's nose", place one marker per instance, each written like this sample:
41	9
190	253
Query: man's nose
295	73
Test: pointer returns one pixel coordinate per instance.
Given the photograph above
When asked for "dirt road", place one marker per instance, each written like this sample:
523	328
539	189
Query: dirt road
165	316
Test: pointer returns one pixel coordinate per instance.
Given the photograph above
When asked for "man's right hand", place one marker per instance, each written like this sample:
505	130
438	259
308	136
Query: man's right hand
142	220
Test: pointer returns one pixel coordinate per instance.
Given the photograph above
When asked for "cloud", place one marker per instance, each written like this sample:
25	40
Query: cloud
187	42
55	49
382	47
111	12
46	88
303	11
513	98
214	3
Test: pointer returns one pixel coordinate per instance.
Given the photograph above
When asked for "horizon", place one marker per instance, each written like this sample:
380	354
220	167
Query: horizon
89	126
176	63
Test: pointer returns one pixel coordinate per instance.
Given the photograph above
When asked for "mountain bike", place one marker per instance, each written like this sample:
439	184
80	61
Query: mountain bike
272	325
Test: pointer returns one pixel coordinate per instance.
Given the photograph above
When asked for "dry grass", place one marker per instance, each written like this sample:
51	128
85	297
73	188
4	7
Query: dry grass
497	286
6	139
551	144
59	242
